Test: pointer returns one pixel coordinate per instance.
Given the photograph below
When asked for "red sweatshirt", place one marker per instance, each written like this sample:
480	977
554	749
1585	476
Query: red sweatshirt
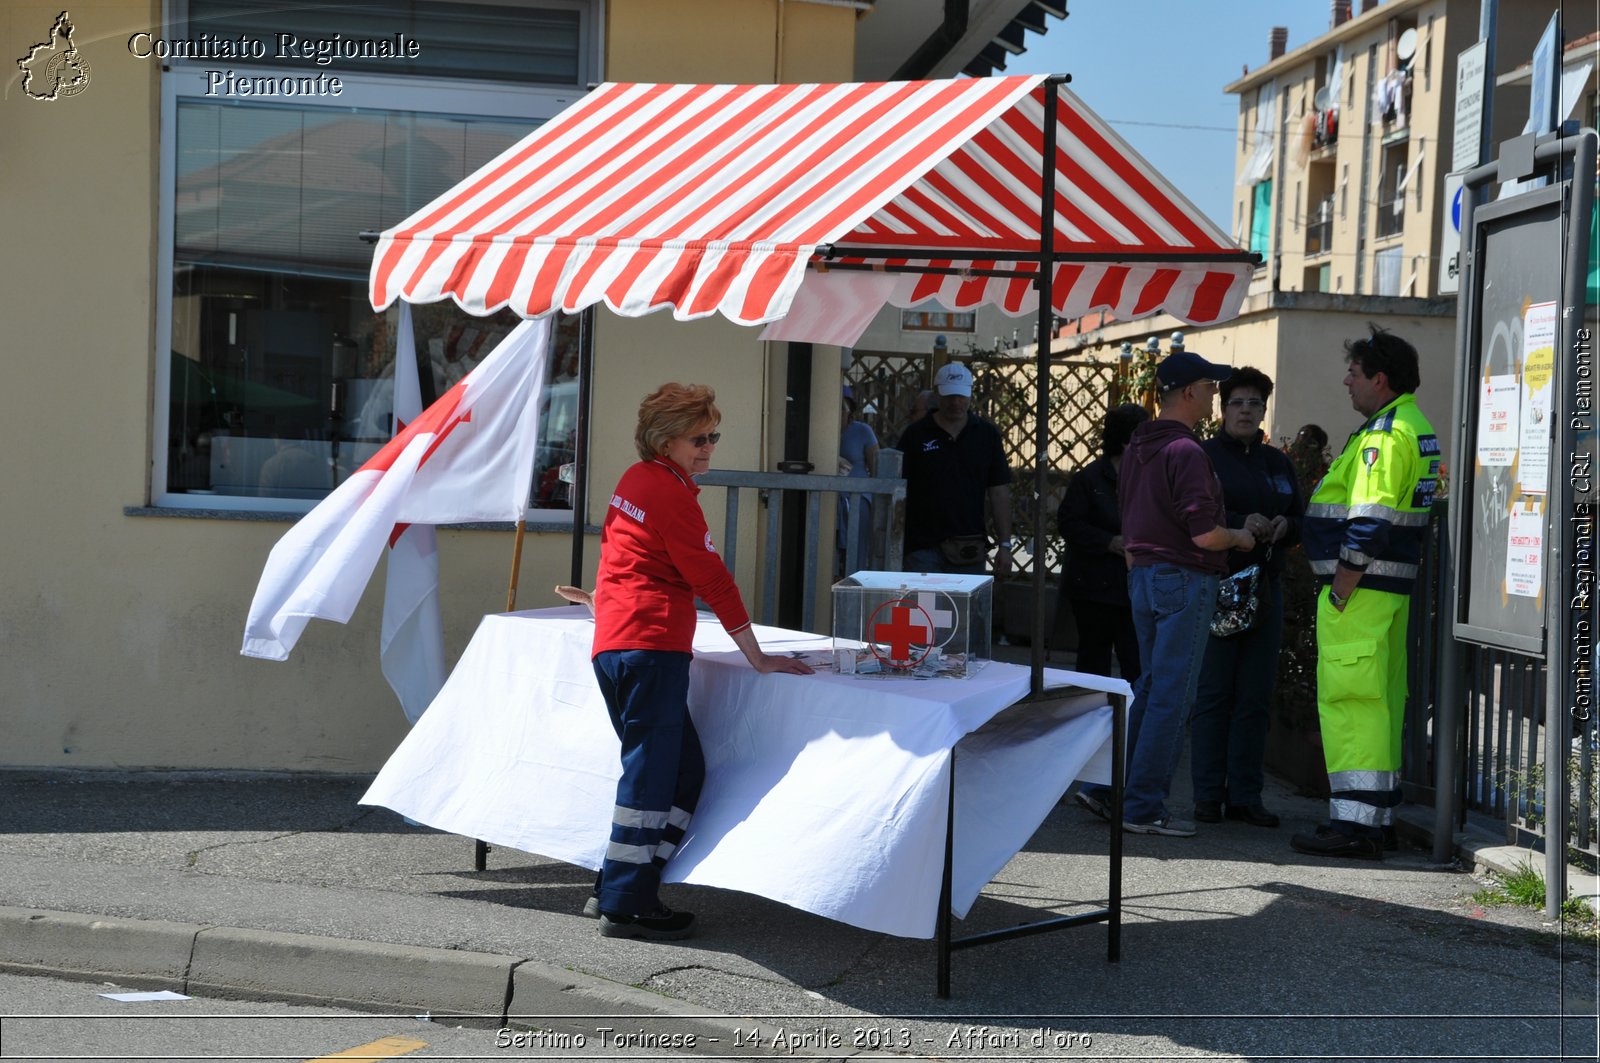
656	556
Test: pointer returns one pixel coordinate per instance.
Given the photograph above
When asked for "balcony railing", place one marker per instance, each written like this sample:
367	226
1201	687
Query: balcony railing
1319	228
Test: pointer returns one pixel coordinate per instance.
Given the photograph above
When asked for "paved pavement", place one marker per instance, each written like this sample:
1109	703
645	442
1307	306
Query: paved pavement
283	887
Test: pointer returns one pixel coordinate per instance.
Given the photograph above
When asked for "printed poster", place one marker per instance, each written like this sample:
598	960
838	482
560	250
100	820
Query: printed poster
1525	551
1538	370
1497	420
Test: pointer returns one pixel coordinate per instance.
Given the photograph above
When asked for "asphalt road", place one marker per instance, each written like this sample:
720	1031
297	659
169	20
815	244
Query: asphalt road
1234	947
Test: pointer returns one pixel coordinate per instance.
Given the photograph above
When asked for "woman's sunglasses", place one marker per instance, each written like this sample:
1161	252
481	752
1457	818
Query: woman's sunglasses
710	437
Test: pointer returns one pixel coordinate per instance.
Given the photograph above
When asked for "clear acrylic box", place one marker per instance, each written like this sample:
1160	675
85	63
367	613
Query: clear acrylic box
916	624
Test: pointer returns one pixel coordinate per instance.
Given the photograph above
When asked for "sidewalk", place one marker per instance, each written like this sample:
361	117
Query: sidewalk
283	887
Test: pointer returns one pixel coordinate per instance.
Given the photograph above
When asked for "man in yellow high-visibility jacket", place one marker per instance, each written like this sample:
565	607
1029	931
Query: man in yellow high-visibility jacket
1364	532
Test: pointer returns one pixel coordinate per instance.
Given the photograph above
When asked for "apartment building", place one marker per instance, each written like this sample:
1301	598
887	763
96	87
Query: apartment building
1342	150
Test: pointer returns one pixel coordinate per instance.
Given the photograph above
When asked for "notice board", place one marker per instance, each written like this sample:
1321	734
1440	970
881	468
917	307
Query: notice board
1514	333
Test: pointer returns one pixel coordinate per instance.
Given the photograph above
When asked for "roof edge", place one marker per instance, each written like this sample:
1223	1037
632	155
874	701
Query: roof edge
1351	27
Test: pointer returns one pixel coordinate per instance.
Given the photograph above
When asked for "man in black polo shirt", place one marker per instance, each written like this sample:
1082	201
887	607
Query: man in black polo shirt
954	465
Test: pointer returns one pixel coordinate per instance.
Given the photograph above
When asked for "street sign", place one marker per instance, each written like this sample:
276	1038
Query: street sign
1471	69
1450	237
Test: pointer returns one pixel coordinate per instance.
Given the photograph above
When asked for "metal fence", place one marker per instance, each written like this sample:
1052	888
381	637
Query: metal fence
886	492
1501	746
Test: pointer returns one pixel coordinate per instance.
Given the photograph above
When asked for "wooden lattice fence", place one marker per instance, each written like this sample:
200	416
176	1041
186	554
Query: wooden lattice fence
1003	391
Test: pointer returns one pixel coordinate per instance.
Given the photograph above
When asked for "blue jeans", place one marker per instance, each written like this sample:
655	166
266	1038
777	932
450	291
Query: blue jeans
1172	609
647	695
1228	733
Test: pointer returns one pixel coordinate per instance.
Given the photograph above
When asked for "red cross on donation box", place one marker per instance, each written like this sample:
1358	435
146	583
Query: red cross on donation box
902	631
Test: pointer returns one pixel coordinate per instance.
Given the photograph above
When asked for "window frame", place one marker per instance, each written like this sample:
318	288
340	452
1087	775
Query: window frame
918	320
184	80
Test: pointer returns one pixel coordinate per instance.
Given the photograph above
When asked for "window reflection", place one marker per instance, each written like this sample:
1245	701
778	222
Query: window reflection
281	385
281	377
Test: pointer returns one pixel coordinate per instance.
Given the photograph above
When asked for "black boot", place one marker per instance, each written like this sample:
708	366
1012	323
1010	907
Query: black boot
1329	842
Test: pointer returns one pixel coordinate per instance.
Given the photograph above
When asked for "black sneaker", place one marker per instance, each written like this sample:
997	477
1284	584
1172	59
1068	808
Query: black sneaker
1391	840
1094	804
591	907
1329	842
1255	815
1208	811
663	924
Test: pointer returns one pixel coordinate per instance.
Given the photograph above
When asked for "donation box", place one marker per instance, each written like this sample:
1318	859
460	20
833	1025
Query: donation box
917	624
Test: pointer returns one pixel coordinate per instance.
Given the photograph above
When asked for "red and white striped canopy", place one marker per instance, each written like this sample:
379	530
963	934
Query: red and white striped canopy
716	199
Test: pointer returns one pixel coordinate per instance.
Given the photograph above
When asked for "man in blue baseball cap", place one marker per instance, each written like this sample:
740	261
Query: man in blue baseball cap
1176	540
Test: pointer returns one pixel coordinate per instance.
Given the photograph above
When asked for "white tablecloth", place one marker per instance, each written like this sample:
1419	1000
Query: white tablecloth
825	792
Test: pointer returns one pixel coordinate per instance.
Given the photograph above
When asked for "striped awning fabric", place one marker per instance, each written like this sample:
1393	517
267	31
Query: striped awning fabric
725	198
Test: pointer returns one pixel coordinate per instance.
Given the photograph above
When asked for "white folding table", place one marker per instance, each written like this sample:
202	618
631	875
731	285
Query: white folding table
839	795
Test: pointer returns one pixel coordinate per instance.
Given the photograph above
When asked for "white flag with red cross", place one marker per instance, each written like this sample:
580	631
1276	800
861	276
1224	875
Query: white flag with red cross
411	649
468	457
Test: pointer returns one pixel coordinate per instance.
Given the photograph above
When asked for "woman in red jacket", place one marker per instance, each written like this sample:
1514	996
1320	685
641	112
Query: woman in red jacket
656	557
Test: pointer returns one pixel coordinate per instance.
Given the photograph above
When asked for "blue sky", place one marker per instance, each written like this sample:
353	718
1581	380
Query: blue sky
1155	70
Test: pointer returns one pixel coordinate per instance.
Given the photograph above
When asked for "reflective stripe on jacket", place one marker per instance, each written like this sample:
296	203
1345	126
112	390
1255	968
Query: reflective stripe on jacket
1371	509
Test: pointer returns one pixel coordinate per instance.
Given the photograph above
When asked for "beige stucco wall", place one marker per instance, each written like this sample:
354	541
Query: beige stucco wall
749	42
121	632
1298	341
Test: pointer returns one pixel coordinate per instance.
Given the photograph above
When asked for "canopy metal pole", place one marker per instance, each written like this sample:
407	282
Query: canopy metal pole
833	255
1041	433
580	440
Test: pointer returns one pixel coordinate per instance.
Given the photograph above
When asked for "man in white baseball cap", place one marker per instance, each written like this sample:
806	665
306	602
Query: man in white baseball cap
955	468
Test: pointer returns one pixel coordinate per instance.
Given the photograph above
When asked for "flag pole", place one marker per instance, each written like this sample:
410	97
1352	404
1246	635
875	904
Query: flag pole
516	565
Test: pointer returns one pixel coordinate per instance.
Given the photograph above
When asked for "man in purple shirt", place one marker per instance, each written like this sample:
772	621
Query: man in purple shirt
1176	541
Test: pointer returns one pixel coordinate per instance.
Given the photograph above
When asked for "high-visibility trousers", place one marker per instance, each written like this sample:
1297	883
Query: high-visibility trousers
1361	703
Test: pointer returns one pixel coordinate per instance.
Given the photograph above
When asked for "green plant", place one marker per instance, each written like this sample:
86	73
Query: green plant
1524	887
1136	379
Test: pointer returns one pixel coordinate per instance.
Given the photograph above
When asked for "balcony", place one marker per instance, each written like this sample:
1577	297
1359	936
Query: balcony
1319	228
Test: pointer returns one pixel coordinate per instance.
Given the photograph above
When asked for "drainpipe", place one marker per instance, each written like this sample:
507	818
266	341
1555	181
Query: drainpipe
937	46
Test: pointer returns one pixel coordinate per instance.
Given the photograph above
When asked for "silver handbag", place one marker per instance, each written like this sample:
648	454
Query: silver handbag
1238	600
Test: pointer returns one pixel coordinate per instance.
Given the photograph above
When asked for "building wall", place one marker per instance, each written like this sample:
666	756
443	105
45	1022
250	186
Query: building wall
1298	341
745	43
122	625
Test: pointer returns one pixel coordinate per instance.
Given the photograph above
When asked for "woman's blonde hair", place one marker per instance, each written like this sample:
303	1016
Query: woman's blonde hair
673	410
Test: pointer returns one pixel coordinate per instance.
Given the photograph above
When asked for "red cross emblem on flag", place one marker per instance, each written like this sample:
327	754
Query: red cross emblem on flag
908	625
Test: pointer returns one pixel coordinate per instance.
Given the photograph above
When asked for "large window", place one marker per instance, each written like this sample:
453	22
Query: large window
1261	218
277	381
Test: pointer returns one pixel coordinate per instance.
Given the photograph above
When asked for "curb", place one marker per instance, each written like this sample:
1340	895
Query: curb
238	963
144	953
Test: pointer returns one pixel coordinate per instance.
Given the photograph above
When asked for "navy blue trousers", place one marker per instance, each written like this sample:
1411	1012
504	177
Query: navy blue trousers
647	695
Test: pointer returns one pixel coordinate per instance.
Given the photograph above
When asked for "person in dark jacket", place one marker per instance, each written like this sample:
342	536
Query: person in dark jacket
1261	494
1095	581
